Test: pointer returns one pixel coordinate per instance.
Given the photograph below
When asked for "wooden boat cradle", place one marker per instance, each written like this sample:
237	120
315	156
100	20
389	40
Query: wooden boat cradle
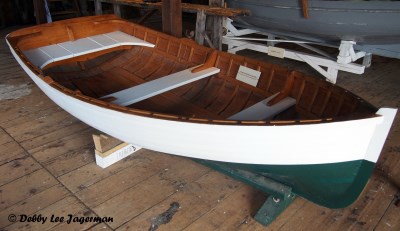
316	99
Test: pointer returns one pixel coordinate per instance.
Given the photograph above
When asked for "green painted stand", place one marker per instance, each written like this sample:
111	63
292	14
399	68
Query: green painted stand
280	196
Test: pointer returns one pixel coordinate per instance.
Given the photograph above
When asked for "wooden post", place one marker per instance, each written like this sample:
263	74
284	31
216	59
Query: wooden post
172	17
200	26
40	13
83	5
117	9
97	7
215	23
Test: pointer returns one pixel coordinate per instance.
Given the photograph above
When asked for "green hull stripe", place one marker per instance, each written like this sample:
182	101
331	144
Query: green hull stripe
335	185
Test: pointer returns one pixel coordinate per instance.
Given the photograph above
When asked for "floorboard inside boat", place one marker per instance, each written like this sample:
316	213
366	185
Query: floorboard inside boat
47	167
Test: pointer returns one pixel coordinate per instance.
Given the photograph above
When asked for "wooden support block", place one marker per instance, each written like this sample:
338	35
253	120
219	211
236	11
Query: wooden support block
103	143
109	150
115	154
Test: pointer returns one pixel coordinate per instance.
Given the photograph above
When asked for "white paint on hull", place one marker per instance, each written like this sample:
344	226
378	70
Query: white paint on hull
270	145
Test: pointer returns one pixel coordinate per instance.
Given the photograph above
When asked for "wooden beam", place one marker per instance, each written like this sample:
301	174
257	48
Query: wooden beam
146	16
214	24
172	17
186	7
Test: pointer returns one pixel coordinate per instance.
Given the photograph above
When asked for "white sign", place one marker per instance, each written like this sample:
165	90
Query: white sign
248	75
276	52
110	157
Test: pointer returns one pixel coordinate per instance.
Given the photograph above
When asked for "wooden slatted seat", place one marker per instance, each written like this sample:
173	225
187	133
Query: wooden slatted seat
43	56
149	89
262	111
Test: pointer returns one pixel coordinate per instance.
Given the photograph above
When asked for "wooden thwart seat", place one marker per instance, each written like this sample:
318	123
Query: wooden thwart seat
43	56
262	110
149	89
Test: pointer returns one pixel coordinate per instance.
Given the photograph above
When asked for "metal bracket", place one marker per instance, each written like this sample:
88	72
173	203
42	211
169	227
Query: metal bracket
280	195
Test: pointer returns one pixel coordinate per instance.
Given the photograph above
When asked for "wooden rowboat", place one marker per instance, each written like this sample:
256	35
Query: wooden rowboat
174	96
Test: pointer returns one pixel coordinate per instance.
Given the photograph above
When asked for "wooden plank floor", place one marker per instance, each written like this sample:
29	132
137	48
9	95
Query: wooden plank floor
47	167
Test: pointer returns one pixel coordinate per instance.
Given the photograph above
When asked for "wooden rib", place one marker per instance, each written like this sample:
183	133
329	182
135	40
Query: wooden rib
218	94
228	102
136	53
253	99
196	89
315	93
341	100
166	68
151	66
238	103
325	103
285	92
223	98
139	61
195	95
209	93
70	33
270	79
301	90
210	62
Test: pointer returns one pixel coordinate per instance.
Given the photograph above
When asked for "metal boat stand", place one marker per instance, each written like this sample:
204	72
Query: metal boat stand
324	63
279	196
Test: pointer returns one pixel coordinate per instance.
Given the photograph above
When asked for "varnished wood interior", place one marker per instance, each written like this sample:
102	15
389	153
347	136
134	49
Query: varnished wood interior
216	98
